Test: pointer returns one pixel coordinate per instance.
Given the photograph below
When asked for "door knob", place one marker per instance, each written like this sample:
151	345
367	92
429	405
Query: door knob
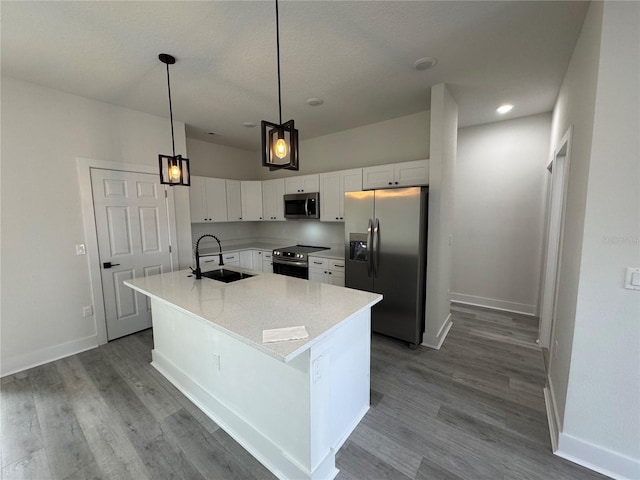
109	264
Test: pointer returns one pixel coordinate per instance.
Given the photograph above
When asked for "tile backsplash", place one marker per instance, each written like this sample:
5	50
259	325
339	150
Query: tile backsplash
307	232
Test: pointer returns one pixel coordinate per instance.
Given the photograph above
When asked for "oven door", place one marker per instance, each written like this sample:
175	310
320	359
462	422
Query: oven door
291	269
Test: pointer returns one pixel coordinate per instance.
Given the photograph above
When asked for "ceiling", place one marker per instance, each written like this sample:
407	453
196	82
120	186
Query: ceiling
357	56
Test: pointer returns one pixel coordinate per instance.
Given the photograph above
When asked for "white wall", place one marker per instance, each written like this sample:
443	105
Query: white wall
574	107
442	168
602	413
43	132
498	232
398	140
219	161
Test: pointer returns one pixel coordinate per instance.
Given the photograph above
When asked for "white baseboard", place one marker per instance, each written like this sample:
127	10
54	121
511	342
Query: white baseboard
503	305
436	341
597	458
601	460
28	360
552	416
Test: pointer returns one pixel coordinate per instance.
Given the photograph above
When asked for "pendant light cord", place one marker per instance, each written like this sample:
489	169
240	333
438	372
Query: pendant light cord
173	144
278	54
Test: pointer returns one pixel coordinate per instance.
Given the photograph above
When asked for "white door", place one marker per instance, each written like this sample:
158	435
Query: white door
132	226
557	199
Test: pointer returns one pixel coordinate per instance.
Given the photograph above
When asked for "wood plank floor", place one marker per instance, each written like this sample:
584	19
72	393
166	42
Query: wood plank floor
472	410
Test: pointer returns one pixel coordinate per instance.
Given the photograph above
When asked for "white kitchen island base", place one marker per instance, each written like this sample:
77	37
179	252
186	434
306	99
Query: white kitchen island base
292	416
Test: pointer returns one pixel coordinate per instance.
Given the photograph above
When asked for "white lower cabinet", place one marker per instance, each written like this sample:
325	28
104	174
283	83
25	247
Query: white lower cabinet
209	262
246	259
267	261
326	270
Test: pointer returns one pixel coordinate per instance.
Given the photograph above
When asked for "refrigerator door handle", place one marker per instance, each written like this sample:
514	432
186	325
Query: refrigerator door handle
369	248
376	246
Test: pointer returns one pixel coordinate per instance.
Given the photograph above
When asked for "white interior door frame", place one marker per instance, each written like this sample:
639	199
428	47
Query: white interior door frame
555	225
91	237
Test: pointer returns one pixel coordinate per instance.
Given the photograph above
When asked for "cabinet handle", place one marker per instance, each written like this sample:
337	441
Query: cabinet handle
337	218
329	273
319	263
396	183
339	266
260	218
390	183
341	218
239	218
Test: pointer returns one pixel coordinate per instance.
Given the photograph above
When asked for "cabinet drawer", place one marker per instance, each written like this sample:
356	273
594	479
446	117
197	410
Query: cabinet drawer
208	262
231	257
336	265
315	262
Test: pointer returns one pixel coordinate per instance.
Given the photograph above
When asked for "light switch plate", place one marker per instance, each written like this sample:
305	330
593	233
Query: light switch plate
632	278
80	249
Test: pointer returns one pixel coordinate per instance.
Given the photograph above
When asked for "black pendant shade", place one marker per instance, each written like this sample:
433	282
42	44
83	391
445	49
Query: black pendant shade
279	141
174	169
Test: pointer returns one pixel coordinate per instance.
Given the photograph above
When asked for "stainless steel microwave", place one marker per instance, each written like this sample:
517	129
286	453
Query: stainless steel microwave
302	205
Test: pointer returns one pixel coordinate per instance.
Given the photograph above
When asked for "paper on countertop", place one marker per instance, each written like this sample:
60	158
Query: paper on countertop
284	334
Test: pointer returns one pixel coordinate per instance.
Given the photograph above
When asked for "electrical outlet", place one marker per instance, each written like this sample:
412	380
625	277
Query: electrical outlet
87	311
80	249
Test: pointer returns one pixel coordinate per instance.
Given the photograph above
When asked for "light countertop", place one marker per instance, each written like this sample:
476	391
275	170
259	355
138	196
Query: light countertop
336	253
245	308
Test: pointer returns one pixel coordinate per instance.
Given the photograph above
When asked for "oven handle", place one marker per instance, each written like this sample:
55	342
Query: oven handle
286	262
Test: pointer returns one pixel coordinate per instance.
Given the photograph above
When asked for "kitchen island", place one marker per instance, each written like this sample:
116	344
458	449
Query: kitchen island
291	404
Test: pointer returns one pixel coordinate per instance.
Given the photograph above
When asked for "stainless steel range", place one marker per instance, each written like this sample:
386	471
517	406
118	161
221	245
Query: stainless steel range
294	261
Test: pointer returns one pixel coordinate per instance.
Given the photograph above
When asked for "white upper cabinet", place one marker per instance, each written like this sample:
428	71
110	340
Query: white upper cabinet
302	184
251	194
333	185
208	200
234	201
272	199
406	174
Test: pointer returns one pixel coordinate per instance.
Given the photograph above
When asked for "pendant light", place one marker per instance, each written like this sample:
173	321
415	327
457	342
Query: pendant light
174	170
279	141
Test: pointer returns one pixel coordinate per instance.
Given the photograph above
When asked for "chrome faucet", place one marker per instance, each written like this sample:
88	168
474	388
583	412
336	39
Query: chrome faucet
197	271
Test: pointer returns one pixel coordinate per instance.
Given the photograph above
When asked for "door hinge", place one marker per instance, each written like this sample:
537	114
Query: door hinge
166	195
169	248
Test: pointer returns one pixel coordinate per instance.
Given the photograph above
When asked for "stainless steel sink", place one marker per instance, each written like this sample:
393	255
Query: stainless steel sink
226	276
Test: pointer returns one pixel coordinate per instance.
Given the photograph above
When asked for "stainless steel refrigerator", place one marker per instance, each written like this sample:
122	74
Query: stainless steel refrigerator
386	253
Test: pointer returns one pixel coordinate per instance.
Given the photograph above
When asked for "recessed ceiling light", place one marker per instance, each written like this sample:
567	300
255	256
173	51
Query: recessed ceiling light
314	102
249	124
425	63
502	109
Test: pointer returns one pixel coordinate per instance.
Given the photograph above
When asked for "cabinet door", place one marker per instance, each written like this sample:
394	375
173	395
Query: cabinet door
257	260
380	176
302	184
251	195
336	278
234	201
330	194
272	201
310	183
198	200
216	199
246	259
409	174
350	181
292	185
267	263
317	275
